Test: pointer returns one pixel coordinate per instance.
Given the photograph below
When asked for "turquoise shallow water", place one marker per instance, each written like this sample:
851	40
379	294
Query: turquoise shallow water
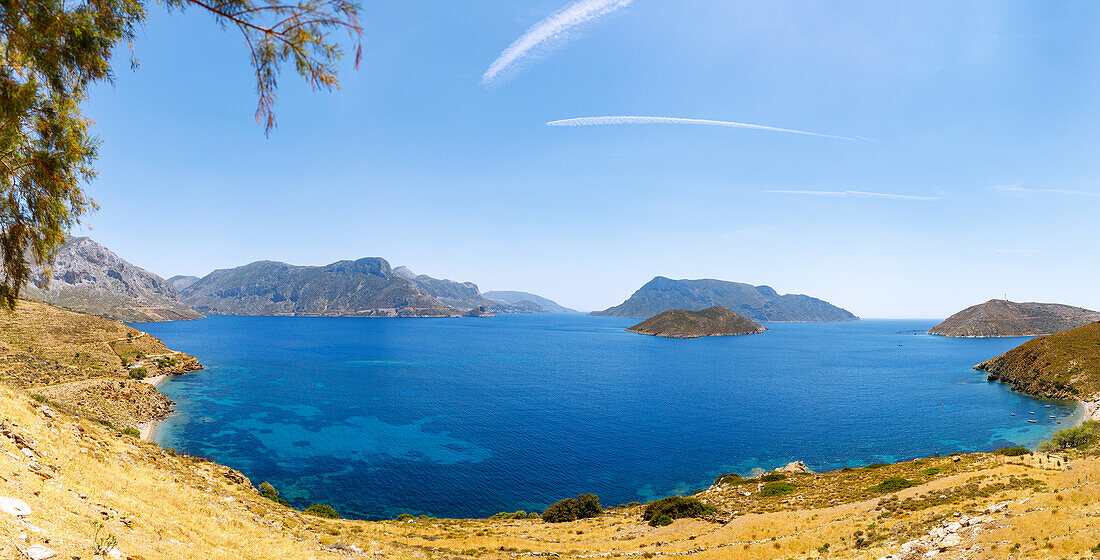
468	417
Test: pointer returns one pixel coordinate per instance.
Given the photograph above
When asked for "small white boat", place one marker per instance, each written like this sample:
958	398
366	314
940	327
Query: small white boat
1033	421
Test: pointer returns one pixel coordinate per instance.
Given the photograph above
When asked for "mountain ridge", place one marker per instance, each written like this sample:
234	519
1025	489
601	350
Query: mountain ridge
759	303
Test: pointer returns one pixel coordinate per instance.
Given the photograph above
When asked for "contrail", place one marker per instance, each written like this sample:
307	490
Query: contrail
551	28
598	121
860	194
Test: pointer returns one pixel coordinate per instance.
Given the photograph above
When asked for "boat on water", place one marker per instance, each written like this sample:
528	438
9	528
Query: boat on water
1033	421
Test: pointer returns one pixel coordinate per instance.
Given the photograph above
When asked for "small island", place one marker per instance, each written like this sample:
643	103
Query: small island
998	317
681	323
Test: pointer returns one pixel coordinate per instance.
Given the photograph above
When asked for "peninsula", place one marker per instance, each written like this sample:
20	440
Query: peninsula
998	317
681	323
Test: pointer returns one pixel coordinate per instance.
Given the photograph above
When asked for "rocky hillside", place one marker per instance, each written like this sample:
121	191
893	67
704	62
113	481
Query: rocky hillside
463	296
759	303
528	300
998	317
87	277
713	321
181	282
365	287
1063	365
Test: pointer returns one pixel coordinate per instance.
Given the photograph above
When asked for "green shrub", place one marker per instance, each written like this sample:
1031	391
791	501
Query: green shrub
932	471
674	507
404	517
39	398
1013	451
505	515
268	491
878	465
138	373
733	479
777	489
572	509
165	362
322	510
892	484
1072	438
772	477
131	431
533	515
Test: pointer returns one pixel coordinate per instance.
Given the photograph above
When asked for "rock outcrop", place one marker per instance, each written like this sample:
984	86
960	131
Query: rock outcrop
759	303
998	317
86	277
680	323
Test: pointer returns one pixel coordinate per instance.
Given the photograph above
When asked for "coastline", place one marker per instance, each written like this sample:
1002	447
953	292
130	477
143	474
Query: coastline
147	428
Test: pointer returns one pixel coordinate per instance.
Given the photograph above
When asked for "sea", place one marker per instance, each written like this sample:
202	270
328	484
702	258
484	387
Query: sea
473	416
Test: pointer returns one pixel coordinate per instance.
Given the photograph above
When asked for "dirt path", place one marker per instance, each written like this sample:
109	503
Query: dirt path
135	337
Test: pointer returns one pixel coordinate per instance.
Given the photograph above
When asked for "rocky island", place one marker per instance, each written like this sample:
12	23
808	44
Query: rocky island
998	317
713	321
759	303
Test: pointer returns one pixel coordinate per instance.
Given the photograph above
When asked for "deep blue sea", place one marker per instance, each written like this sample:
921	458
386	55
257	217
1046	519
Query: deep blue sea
469	417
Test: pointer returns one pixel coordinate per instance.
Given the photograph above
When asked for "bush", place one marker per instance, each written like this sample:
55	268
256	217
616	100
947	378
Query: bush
138	373
674	507
322	510
733	479
131	431
268	491
572	509
505	515
772	477
1013	451
777	489
1072	438
404	517
878	465
165	362
892	484
39	398
932	471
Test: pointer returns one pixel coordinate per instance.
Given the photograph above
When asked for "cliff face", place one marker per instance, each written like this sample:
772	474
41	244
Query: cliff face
998	317
88	278
759	303
715	321
364	287
1062	365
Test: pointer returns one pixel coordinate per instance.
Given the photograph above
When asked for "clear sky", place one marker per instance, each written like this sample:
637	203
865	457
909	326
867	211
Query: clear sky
984	117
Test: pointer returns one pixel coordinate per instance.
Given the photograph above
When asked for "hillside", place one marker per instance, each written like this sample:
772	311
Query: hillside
525	299
86	277
1064	365
759	303
365	287
998	317
463	296
713	321
180	282
84	362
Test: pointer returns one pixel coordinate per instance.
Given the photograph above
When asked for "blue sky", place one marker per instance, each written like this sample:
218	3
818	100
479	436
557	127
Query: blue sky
985	114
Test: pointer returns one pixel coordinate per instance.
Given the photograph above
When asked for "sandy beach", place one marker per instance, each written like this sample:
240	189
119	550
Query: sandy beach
146	428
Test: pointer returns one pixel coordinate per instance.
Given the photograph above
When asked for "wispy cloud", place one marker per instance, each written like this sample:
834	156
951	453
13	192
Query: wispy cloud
857	194
1023	190
610	120
553	28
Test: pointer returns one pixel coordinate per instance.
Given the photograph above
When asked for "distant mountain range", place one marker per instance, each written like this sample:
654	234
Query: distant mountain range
759	303
88	278
713	321
91	279
527	300
999	317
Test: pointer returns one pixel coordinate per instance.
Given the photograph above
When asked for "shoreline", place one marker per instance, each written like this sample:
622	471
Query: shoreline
147	428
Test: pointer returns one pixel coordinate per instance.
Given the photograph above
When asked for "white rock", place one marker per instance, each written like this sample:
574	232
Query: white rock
951	540
39	552
973	520
931	553
14	506
47	411
33	528
355	548
28	452
937	533
954	527
114	553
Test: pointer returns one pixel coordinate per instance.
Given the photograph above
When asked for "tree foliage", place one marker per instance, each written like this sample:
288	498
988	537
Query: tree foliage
1072	438
51	51
572	509
663	511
